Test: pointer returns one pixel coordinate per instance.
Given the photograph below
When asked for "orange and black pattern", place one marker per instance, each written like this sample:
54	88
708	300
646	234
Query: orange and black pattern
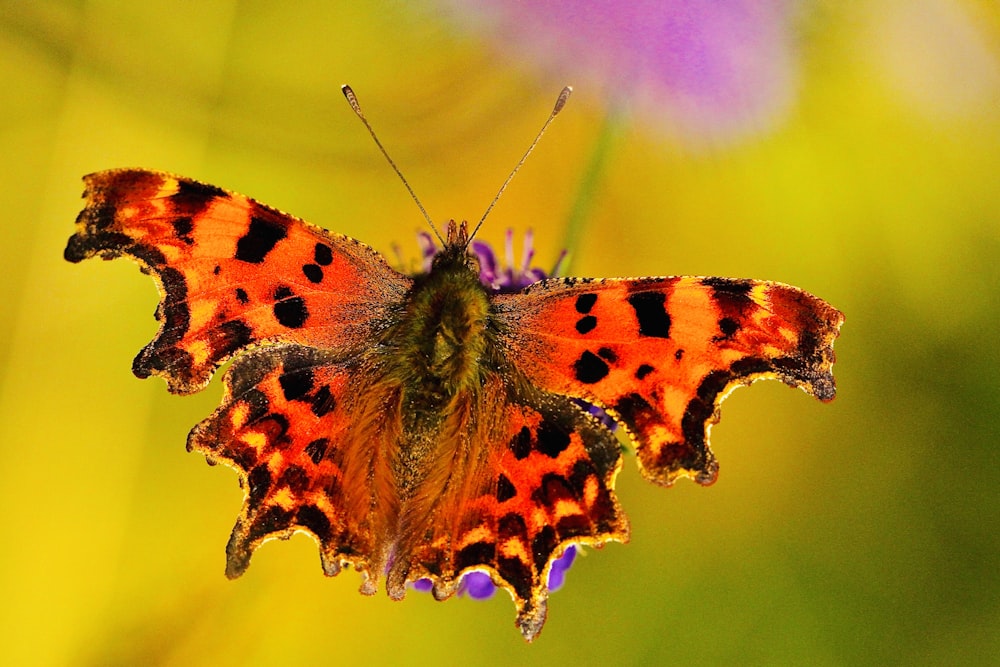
424	427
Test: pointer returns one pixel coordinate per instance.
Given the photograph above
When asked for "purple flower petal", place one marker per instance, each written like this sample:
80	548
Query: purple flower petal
423	585
427	250
557	574
487	262
507	277
477	585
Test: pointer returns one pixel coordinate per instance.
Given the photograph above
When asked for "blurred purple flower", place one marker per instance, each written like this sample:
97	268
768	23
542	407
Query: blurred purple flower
704	71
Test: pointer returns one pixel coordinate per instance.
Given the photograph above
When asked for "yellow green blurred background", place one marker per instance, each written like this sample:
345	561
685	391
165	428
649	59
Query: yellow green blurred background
864	531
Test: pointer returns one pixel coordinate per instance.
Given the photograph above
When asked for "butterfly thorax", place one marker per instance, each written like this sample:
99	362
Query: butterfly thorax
443	336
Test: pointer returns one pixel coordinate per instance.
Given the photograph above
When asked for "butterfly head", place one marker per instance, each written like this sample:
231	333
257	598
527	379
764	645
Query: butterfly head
457	234
455	252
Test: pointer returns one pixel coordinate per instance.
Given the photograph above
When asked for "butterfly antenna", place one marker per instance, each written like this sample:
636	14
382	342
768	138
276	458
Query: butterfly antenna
560	103
352	99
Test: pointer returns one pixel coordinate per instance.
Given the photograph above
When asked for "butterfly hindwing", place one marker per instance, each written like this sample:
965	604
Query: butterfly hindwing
550	484
283	425
660	354
232	272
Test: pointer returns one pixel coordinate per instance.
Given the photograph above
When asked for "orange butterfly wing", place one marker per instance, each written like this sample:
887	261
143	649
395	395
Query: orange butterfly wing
232	272
660	354
283	423
543	480
302	306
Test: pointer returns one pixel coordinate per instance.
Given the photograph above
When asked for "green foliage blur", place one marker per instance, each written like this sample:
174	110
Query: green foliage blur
864	531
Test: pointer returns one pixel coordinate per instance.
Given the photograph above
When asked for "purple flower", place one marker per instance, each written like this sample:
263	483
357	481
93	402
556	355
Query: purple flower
478	585
499	278
561	565
698	69
423	585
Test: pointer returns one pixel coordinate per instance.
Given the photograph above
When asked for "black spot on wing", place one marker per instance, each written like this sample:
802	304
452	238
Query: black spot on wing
643	371
242	296
316	449
728	326
586	324
291	313
323	402
323	255
296	384
552	440
520	444
183	226
289	310
512	526
505	489
552	489
651	313
274	428
585	302
590	368
313	272
582	471
260	239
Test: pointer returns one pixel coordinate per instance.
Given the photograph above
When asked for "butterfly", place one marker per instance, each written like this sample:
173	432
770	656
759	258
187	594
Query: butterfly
424	426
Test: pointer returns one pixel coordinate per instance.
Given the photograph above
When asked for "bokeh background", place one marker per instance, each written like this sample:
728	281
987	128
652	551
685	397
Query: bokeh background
852	149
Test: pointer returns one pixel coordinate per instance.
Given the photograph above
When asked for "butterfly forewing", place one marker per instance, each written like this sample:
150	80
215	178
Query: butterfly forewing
660	354
232	272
